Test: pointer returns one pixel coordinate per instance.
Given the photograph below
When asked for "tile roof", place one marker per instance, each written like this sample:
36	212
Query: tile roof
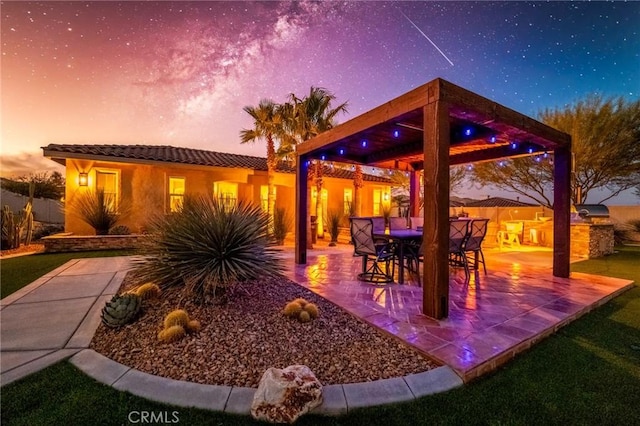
181	155
498	202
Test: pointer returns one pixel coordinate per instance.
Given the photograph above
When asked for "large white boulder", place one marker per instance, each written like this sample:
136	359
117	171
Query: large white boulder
284	395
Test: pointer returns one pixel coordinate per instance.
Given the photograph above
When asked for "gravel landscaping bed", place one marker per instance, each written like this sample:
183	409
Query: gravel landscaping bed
240	340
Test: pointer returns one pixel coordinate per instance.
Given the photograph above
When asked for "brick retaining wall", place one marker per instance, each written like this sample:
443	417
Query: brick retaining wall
67	243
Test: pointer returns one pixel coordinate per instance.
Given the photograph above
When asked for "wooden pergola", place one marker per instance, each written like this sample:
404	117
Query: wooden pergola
431	128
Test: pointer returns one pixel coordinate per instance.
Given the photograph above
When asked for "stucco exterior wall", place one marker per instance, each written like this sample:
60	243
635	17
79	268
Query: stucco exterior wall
144	190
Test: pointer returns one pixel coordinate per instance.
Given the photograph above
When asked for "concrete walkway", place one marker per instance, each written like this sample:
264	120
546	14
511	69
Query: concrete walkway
55	318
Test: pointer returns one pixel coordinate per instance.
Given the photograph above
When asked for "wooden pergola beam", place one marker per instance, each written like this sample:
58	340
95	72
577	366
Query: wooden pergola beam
490	111
301	225
562	211
406	103
439	103
435	274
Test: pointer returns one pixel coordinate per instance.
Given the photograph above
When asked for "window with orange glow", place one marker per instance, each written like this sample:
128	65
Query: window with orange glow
107	181
176	193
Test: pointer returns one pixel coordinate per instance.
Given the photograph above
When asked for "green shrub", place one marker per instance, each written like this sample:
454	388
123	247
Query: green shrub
97	210
334	219
281	224
208	247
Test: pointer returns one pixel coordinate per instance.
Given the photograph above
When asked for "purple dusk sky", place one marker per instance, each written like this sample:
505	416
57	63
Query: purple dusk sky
179	73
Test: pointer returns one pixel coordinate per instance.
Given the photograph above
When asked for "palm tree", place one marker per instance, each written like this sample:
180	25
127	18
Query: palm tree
304	119
267	124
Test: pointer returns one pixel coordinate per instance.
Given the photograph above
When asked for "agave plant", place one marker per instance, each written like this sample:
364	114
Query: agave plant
121	310
97	210
208	247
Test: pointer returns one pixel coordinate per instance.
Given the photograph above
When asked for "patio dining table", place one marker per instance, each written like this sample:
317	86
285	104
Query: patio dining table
400	236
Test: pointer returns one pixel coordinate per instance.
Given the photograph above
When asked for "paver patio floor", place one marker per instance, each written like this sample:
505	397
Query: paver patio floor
491	318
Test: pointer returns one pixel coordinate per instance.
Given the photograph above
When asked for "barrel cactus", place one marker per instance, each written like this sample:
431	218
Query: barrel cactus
121	310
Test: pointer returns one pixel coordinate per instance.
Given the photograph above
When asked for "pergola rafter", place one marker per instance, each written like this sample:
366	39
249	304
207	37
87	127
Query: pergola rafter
431	128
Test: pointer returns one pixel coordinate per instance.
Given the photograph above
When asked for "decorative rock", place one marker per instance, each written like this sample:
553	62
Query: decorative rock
284	395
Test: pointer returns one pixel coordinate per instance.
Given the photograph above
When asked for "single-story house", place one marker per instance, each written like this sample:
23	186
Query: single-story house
155	179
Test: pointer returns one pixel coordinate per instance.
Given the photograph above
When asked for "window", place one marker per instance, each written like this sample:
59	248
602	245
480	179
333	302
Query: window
264	196
377	202
107	181
176	193
226	193
347	201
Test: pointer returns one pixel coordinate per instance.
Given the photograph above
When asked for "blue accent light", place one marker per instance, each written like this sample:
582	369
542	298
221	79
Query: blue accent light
501	163
514	145
530	150
323	157
396	133
341	151
546	154
492	139
538	158
470	167
468	131
364	144
308	162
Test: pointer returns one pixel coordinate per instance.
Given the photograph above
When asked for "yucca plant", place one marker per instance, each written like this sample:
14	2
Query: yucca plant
333	223
97	210
208	247
281	224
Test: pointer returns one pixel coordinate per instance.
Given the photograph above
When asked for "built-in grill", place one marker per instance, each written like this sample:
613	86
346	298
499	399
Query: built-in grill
596	213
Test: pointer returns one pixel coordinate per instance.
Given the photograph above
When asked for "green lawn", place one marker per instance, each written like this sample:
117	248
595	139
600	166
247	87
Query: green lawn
17	272
587	373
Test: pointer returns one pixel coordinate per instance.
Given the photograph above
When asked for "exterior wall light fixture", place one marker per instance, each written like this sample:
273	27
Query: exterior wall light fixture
83	179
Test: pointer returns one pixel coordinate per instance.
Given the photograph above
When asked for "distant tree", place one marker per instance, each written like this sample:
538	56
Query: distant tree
46	185
305	118
267	125
605	137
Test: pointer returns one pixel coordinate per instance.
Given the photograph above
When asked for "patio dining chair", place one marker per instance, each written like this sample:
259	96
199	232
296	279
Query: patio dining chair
458	234
477	231
379	225
372	252
397	223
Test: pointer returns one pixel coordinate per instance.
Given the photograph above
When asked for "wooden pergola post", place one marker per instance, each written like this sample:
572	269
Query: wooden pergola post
414	193
435	284
562	211
302	169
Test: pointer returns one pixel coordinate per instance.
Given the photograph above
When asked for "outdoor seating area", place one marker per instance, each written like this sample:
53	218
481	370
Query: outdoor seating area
383	248
491	319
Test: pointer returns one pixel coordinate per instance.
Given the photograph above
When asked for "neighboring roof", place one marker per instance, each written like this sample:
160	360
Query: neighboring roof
498	202
181	155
